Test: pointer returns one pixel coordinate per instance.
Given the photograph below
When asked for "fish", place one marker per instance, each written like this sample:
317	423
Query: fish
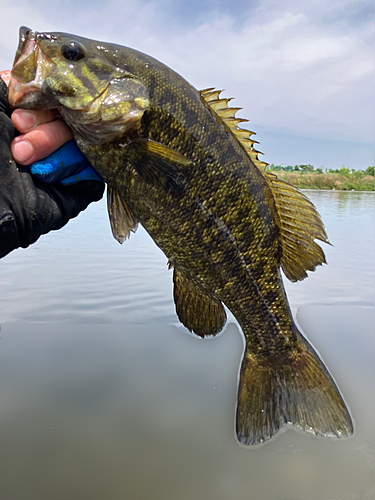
176	161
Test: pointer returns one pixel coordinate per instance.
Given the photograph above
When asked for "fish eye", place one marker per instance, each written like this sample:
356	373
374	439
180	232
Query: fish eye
72	51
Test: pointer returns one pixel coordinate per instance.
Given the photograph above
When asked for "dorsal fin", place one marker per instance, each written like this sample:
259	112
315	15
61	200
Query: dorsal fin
300	224
297	218
228	115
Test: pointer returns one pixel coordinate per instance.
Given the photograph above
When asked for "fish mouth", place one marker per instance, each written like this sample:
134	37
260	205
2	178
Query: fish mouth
110	113
27	87
31	67
30	70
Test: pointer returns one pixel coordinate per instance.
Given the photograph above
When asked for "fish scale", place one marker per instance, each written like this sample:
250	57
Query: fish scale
176	162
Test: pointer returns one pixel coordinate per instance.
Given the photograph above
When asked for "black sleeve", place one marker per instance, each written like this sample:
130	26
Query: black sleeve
29	208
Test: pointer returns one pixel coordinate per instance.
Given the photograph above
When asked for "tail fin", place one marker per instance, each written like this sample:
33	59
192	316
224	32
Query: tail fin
299	391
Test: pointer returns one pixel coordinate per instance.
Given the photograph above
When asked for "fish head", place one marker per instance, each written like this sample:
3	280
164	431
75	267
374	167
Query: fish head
99	100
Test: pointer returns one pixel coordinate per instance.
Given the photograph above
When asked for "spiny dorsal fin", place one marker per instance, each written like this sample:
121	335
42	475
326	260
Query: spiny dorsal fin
298	220
300	224
228	115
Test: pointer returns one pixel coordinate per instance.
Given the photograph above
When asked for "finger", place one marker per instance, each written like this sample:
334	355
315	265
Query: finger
40	142
5	75
26	120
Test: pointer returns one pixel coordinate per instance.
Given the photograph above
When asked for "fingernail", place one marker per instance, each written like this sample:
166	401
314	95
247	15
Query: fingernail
26	120
22	150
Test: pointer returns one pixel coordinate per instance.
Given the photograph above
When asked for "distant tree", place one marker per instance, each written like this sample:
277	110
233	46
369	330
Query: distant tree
369	171
306	168
358	174
343	171
296	167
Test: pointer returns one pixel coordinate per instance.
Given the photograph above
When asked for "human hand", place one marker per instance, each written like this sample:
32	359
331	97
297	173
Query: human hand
28	207
41	134
46	145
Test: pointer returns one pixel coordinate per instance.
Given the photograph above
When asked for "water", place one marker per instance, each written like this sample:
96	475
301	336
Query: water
102	396
349	277
80	274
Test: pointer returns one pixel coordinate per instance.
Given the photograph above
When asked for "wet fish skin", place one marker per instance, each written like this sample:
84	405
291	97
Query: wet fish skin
178	168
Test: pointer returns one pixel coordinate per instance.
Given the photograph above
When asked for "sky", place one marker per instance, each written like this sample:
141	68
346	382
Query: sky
302	71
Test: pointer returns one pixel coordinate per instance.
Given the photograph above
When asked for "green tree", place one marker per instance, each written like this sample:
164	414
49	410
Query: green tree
307	168
358	174
344	171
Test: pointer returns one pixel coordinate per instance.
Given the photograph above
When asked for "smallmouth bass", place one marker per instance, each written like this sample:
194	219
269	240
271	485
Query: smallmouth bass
176	162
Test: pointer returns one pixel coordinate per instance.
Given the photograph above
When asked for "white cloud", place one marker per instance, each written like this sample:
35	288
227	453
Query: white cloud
303	68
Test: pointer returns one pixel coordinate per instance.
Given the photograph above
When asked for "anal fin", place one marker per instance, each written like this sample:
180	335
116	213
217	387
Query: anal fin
197	311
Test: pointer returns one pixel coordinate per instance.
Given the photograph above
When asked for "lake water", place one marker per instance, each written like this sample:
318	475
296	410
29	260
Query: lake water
103	397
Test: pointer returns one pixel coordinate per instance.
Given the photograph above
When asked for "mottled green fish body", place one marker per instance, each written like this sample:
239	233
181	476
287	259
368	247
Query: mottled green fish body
176	162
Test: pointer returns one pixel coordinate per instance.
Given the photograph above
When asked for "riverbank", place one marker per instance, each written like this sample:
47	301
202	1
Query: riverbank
328	181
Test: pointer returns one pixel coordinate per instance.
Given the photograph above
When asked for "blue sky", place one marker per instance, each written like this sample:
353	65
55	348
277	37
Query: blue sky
302	71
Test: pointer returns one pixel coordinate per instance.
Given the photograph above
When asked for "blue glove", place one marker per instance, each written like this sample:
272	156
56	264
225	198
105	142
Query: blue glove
67	166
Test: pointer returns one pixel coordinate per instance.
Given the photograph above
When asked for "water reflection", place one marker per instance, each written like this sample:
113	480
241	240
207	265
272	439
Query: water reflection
349	276
348	204
96	405
136	411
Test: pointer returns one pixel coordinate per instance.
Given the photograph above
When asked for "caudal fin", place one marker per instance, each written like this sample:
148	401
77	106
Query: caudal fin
298	391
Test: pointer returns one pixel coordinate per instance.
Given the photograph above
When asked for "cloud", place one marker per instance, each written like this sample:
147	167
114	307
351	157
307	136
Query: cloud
297	67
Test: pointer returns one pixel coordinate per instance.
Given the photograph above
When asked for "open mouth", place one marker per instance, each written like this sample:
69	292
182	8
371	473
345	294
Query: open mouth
28	74
42	78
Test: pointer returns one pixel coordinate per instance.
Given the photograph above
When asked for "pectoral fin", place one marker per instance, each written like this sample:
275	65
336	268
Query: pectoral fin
158	164
120	216
198	312
163	152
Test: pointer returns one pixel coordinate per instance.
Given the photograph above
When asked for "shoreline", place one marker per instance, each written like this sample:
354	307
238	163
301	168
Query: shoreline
328	181
336	190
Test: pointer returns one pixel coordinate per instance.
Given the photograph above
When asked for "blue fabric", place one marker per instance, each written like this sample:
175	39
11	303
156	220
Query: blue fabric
67	165
88	174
